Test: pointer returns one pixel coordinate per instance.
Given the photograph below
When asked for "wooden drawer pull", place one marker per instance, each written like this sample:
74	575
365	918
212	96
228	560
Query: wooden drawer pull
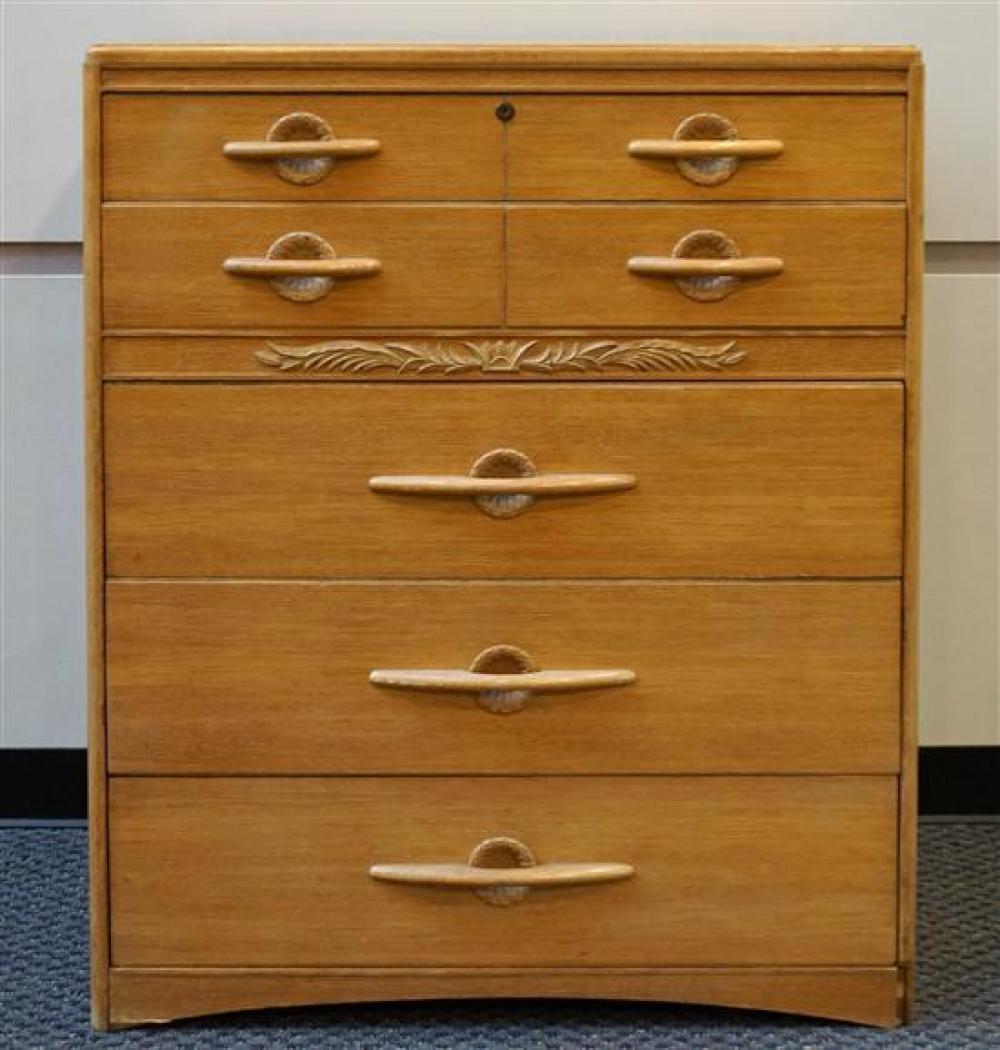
302	267
706	149
503	482
501	871
503	677
706	265
302	148
667	266
466	875
463	485
257	266
456	681
336	148
690	149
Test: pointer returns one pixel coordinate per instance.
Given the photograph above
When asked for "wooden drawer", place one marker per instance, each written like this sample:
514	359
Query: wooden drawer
842	265
273	677
224	872
731	479
164	265
831	147
171	147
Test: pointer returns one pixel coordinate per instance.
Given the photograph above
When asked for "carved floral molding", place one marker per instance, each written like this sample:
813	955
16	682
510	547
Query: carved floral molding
451	356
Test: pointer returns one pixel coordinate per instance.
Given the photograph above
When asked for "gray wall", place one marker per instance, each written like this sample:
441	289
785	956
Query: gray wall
41	550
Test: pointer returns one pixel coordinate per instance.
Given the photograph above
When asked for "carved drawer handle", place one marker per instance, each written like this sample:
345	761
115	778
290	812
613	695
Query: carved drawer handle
463	485
706	265
667	266
476	681
302	267
257	266
302	147
264	150
501	871
504	677
692	149
706	148
504	483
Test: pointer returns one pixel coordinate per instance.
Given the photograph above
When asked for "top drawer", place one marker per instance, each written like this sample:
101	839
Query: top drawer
451	147
404	147
817	147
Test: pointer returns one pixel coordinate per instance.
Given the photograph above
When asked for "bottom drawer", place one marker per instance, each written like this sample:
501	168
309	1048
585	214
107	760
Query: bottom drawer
726	870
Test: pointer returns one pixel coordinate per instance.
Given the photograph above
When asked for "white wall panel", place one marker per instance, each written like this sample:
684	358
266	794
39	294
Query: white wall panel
959	623
42	702
42	663
45	42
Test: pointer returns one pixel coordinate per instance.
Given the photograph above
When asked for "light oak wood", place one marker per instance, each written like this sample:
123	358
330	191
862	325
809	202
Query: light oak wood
532	485
843	265
661	266
751	149
865	995
772	479
440	264
911	555
844	148
461	681
352	79
552	152
265	150
272	677
576	57
253	266
832	355
465	876
172	147
761	871
97	824
814	875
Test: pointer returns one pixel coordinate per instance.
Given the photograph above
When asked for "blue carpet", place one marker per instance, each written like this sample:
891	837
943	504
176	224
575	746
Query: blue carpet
43	979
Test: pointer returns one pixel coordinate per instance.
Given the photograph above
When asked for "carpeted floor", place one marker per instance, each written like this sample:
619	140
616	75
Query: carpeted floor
43	978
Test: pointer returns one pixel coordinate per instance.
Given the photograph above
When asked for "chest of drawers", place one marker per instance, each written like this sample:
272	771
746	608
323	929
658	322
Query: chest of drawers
502	475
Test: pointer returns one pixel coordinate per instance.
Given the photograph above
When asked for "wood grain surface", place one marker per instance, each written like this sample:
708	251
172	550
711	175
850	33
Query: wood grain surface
763	871
844	265
580	58
911	545
865	995
272	677
170	147
440	265
565	147
832	355
759	774
97	770
233	80
749	480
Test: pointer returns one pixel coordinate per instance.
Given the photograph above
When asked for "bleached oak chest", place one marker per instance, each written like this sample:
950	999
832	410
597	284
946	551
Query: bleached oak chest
502	474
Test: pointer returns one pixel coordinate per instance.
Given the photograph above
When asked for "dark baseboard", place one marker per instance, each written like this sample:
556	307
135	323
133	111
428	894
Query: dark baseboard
959	780
43	784
48	784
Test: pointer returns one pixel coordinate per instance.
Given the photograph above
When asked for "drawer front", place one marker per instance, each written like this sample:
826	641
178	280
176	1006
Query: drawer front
163	265
842	265
829	147
498	355
729	677
730	479
782	870
172	147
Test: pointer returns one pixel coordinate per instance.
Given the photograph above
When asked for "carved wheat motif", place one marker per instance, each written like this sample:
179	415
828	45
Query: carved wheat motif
500	355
